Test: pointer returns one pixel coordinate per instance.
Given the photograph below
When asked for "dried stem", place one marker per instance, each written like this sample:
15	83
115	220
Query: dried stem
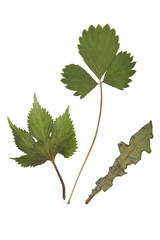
61	180
93	194
99	118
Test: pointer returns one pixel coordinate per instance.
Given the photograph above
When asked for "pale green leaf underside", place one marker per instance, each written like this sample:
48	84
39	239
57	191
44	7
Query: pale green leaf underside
98	47
78	80
63	135
45	138
120	71
129	154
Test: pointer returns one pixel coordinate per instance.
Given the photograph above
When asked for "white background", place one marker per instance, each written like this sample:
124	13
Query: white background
37	39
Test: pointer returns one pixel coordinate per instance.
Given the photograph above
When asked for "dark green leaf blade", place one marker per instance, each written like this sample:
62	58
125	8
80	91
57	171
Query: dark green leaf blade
23	139
30	160
40	122
130	154
120	71
98	47
51	138
63	136
78	80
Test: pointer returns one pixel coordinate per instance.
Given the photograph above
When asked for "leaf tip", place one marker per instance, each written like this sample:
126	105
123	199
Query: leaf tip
34	97
9	121
67	110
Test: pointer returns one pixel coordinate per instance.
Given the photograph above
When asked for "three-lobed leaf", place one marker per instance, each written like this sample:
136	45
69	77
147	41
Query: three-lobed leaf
98	47
45	138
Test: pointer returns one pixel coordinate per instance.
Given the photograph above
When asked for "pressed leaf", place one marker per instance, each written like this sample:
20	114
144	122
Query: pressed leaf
45	139
120	71
98	47
130	154
63	136
78	80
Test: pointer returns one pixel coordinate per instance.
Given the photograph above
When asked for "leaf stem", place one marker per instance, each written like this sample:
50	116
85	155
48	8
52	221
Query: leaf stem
99	118
61	180
93	194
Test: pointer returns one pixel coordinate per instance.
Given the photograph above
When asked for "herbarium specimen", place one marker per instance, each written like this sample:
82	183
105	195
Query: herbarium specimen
98	47
45	138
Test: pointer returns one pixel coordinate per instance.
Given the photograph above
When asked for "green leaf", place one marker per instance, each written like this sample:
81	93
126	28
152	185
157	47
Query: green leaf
78	80
40	122
45	139
130	154
120	71
63	136
98	47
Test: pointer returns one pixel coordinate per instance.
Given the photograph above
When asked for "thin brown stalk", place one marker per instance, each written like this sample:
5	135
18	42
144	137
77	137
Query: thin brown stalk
99	118
61	180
